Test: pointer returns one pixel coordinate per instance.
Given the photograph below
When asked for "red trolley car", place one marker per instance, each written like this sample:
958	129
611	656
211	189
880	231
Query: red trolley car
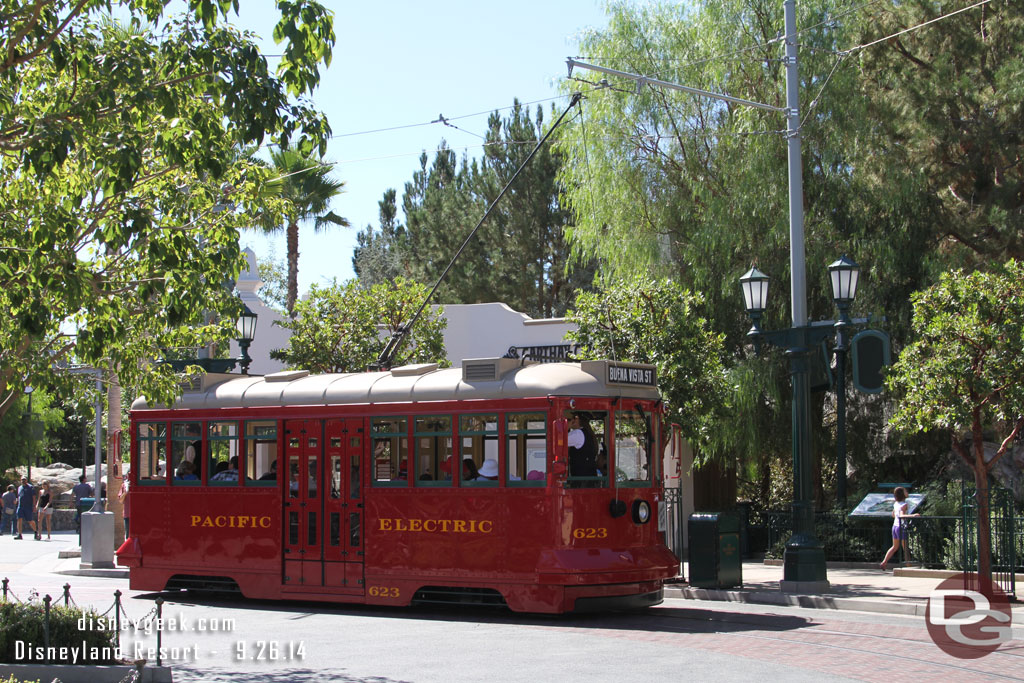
407	486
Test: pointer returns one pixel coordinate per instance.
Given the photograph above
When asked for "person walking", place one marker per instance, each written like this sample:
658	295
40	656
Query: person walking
10	501
125	499
45	505
899	528
26	508
81	490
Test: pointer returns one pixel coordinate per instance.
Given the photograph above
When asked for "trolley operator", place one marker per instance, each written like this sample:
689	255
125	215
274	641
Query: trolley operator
582	447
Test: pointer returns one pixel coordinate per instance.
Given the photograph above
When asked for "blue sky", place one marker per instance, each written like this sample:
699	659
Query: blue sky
400	62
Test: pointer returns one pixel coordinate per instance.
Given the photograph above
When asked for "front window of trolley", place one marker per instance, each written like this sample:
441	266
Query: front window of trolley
633	440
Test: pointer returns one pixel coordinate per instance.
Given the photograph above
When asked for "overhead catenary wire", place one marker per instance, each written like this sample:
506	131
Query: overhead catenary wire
387	355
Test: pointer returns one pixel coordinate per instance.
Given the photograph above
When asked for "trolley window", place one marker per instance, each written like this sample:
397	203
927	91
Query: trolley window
433	446
632	448
390	451
260	456
588	463
186	453
526	449
222	443
478	442
151	441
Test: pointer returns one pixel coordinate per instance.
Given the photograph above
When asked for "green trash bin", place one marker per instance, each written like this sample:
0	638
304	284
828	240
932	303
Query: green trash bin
715	558
84	505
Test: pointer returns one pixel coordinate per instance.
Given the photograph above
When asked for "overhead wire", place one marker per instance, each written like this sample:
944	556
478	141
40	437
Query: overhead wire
446	121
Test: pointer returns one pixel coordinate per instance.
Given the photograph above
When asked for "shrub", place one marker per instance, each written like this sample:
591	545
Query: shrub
25	622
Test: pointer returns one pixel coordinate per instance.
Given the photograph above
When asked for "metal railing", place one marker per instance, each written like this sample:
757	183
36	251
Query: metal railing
932	539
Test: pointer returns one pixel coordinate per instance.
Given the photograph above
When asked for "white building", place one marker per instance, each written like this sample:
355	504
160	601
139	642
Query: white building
474	330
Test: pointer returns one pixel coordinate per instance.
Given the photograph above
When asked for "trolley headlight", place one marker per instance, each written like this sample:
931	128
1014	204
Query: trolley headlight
641	511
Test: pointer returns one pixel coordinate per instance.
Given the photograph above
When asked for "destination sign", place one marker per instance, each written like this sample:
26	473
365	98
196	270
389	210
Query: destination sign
625	374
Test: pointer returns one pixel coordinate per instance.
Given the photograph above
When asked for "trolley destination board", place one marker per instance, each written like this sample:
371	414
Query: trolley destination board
633	375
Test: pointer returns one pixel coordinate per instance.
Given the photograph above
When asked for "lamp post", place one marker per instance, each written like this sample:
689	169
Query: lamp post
844	275
31	432
804	559
246	327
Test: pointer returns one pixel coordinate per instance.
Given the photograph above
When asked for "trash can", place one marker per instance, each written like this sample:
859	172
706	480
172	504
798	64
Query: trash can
715	560
84	505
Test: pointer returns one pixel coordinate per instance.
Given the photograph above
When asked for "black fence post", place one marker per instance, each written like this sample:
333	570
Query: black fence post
46	625
159	627
5	582
67	594
117	617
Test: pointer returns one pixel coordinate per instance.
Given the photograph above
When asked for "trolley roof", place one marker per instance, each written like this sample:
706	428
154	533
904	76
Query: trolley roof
476	379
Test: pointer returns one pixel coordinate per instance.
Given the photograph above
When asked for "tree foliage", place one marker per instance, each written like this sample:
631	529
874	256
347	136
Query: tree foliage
963	372
645	320
343	328
949	104
909	165
306	188
118	160
519	256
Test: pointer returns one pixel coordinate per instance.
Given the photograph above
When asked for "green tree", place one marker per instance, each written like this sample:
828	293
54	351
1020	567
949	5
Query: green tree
379	254
21	446
694	189
645	320
946	100
343	328
117	155
962	374
274	290
306	188
519	256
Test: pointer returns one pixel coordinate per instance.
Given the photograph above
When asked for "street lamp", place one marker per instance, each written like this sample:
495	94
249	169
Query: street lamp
804	559
246	326
755	297
844	275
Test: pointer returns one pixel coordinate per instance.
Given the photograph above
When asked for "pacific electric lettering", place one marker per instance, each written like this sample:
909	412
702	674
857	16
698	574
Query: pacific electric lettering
230	521
431	526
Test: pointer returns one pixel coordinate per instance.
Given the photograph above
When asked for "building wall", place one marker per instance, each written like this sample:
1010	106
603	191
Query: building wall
488	330
268	335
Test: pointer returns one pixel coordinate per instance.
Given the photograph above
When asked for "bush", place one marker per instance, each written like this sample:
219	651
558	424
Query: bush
25	621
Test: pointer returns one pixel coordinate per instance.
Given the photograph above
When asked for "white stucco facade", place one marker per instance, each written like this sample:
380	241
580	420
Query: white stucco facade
488	330
268	335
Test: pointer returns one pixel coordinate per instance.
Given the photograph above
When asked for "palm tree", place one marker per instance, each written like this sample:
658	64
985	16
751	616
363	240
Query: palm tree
307	188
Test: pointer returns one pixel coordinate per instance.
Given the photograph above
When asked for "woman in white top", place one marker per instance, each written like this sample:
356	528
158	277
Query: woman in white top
899	529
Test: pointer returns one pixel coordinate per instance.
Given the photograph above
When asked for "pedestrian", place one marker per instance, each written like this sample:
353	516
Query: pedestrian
123	496
10	500
81	490
899	530
45	504
26	508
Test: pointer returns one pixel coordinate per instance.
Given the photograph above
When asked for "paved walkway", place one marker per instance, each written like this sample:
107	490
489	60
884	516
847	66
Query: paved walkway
861	588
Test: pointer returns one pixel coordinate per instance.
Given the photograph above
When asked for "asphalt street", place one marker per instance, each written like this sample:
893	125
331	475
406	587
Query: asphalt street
707	640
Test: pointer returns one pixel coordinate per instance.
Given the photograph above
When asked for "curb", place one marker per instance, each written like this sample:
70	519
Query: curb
794	600
101	573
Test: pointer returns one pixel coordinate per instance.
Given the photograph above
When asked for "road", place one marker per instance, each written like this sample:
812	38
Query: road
256	641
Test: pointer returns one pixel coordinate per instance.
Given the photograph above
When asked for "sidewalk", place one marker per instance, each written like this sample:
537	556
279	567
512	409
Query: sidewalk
901	591
59	554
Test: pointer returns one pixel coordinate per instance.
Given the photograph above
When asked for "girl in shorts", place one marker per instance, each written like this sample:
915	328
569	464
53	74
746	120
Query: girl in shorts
899	529
45	509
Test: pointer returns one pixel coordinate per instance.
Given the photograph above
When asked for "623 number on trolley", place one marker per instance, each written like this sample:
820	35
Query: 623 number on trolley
590	532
